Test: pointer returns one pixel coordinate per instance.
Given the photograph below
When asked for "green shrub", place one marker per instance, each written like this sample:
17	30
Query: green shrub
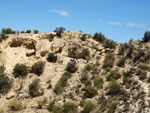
57	109
2	69
112	107
98	82
114	74
99	37
148	79
22	31
59	87
70	107
71	67
83	38
143	66
38	68
35	89
122	48
5	84
114	88
146	36
51	58
130	51
143	76
121	61
42	102
36	31
28	31
15	105
20	70
137	55
89	92
59	31
109	60
8	31
51	105
109	44
89	106
88	67
84	77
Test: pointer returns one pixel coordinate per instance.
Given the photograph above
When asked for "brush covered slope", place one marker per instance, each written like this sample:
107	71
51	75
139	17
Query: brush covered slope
38	74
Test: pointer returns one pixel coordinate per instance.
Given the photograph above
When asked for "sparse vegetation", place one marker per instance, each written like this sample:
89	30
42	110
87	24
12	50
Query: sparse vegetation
121	61
59	31
15	105
70	107
114	74
38	68
28	31
51	58
59	87
5	84
89	106
35	89
113	88
109	60
20	70
36	31
89	92
83	38
146	36
98	82
71	67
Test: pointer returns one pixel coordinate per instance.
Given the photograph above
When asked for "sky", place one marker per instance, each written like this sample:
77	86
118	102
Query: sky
118	20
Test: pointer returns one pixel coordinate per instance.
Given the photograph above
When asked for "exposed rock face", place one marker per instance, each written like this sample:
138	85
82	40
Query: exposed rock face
28	43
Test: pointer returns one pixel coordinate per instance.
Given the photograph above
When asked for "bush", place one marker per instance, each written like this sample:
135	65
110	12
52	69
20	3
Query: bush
121	61
146	36
38	68
59	87
83	38
143	66
90	92
70	107
109	60
98	82
114	74
15	106
2	69
99	37
5	84
35	89
57	109
28	31
89	106
130	51
113	88
112	107
84	77
36	31
143	76
137	55
42	102
59	31
7	31
51	105
71	67
22	31
122	48
20	70
51	58
109	44
88	67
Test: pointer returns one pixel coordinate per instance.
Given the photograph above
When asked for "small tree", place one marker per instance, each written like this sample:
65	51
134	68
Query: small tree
36	31
51	58
8	30
28	31
22	31
146	36
59	31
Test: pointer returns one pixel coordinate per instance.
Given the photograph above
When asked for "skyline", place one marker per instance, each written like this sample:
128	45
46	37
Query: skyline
119	21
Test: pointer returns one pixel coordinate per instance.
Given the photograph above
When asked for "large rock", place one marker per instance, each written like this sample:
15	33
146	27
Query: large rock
10	95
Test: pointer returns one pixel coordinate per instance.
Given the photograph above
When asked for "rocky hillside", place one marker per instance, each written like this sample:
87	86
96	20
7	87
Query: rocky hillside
38	74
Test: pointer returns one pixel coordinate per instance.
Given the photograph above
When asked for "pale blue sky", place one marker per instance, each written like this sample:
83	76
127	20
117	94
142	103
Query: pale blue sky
119	20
